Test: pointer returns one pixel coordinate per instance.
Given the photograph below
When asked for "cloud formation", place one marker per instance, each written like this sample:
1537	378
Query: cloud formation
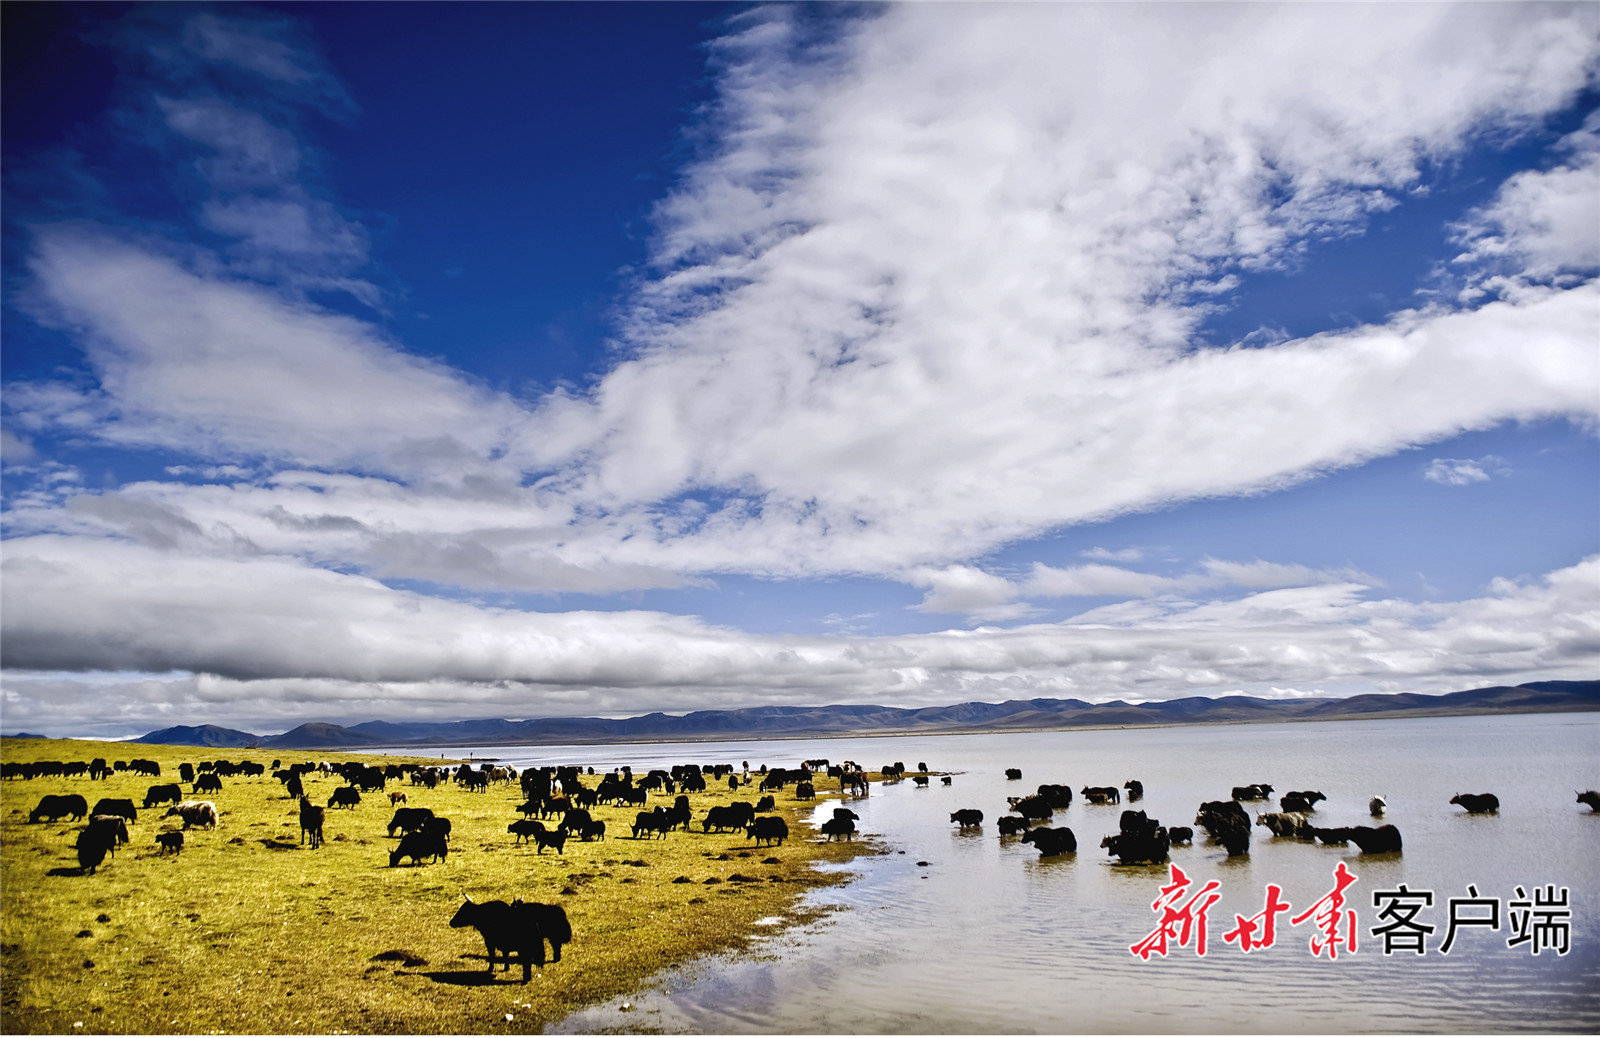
1459	472
937	281
312	642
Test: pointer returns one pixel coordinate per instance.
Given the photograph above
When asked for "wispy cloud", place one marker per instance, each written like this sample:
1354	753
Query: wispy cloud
1459	472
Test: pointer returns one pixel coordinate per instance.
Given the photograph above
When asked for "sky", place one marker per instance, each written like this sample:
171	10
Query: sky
437	361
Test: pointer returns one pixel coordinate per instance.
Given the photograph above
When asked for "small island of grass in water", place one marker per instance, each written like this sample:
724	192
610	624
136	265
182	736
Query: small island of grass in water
247	929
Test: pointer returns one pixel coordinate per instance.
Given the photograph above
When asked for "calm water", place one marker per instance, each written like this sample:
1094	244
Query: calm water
989	938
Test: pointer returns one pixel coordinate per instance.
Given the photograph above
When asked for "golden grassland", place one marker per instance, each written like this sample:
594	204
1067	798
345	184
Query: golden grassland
247	931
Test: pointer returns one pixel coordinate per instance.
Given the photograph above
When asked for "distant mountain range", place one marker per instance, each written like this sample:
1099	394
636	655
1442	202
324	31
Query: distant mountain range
794	722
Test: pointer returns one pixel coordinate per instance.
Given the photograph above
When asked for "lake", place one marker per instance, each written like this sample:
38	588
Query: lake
961	931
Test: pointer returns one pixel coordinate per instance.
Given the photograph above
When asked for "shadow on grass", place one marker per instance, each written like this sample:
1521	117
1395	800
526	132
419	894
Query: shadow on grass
459	978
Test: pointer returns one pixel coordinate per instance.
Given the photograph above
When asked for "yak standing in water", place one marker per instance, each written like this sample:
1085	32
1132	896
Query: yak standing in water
1477	803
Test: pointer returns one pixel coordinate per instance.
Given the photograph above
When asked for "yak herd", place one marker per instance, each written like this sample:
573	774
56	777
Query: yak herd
1141	840
562	798
557	806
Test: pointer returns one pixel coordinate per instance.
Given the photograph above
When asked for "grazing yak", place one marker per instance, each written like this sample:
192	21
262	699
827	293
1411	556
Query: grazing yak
840	828
736	815
805	791
92	847
655	821
679	815
1013	774
1477	803
1101	794
1180	834
1377	805
1135	789
194	812
171	841
1590	797
208	783
169	792
311	817
768	829
556	838
521	927
1254	791
417	846
574	820
967	817
53	806
1051	842
525	828
116	806
109	829
345	796
919	781
409	819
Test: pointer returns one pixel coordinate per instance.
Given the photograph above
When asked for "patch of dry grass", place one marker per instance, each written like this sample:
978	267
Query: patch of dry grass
247	931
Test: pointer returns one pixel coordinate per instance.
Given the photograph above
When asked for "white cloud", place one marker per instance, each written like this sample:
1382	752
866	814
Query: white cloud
969	590
934	287
320	644
1543	223
15	449
1115	555
1460	472
1094	579
932	290
198	363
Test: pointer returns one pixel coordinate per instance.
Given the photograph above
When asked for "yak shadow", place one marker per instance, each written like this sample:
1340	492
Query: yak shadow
471	978
458	978
68	870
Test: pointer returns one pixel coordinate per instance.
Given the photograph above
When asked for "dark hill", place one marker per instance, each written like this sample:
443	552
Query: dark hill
201	735
786	722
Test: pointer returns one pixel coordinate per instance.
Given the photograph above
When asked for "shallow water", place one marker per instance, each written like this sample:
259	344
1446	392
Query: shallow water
987	937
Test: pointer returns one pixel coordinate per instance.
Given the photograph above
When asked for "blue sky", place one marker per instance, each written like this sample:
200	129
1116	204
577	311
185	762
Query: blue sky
418	360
